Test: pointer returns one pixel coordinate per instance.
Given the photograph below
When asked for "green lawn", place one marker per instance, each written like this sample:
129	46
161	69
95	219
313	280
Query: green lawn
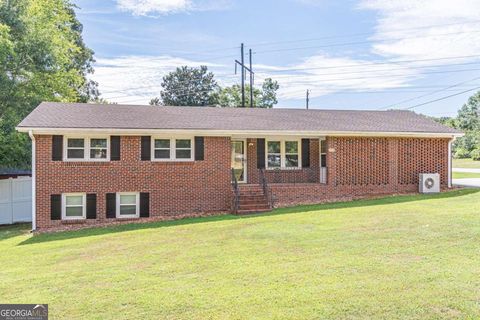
463	175
408	257
466	163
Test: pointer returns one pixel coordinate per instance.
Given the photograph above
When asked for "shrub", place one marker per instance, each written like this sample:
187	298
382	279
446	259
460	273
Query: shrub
461	153
475	154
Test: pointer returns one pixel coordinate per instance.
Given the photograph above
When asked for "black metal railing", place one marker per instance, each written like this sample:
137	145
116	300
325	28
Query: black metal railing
236	193
266	190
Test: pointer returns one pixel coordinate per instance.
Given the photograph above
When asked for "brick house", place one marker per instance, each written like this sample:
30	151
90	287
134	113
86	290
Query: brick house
104	164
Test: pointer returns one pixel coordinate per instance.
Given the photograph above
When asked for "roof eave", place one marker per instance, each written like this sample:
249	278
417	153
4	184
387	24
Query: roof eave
214	132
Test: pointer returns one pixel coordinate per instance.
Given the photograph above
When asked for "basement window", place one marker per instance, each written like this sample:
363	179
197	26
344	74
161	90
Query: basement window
128	204
73	206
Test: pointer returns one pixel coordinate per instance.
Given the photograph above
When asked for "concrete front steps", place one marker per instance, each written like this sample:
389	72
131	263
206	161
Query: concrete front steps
252	199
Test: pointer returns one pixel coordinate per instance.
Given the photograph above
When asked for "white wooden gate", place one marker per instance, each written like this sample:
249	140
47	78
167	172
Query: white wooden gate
16	200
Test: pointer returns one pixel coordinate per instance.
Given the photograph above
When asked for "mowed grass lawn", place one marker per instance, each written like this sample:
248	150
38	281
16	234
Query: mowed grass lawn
407	257
464	175
466	163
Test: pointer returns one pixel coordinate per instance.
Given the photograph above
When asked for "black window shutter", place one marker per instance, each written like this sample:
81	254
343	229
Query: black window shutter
305	153
146	152
115	148
57	148
55	207
144	204
199	148
111	205
91	206
260	153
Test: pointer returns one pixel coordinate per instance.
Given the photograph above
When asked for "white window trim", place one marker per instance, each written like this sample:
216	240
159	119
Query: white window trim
173	149
282	153
86	153
137	204
64	206
322	141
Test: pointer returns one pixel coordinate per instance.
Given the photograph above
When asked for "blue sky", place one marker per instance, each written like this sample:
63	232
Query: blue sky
364	54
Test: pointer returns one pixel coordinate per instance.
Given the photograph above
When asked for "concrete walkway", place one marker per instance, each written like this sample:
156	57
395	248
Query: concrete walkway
469	170
467	182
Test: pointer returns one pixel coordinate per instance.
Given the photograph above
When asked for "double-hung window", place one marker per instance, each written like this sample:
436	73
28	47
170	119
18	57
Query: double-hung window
75	148
283	154
172	149
128	205
86	149
73	206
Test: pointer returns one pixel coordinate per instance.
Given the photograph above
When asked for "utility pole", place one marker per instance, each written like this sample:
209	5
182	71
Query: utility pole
251	78
243	77
244	68
308	98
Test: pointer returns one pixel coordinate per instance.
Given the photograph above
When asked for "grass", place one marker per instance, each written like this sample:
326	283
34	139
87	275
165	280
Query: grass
464	175
406	257
466	163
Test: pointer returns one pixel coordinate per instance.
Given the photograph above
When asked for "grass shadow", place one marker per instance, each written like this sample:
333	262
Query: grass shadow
96	231
10	231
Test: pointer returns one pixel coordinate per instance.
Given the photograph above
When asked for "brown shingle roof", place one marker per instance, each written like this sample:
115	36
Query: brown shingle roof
79	115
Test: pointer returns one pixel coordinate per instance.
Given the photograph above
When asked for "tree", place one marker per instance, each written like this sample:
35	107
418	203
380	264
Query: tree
42	58
264	98
468	118
187	87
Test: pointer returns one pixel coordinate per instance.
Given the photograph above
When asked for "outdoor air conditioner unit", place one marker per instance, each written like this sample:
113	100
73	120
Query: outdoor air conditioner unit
429	183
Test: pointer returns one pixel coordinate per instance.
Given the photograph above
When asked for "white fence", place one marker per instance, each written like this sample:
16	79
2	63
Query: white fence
15	200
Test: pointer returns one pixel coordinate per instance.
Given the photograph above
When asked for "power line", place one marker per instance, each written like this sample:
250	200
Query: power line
260	44
314	75
377	76
430	93
389	69
439	99
362	42
374	63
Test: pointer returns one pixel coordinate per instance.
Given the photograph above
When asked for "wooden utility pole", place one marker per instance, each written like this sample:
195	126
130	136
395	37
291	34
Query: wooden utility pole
308	98
244	68
251	78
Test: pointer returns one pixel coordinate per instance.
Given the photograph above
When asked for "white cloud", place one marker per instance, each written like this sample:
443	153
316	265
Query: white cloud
137	79
427	29
323	74
404	30
146	7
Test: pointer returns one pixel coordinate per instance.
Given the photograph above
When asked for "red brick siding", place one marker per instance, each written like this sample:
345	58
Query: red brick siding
359	167
422	156
176	188
367	165
356	167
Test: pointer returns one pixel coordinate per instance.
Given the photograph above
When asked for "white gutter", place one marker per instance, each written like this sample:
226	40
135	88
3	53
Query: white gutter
228	133
34	178
450	162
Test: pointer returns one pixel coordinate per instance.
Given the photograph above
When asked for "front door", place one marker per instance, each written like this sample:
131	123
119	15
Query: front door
239	163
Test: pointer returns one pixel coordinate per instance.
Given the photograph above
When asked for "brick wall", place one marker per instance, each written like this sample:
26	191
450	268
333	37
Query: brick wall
176	188
356	167
359	167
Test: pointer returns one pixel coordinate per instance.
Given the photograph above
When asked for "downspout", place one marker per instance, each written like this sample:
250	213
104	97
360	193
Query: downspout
34	179
450	162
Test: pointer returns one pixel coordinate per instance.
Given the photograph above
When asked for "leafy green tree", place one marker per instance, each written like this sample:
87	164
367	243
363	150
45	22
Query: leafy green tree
187	87
264	98
42	58
468	118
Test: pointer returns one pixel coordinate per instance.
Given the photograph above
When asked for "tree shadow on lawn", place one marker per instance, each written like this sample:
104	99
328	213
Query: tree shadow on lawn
95	231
